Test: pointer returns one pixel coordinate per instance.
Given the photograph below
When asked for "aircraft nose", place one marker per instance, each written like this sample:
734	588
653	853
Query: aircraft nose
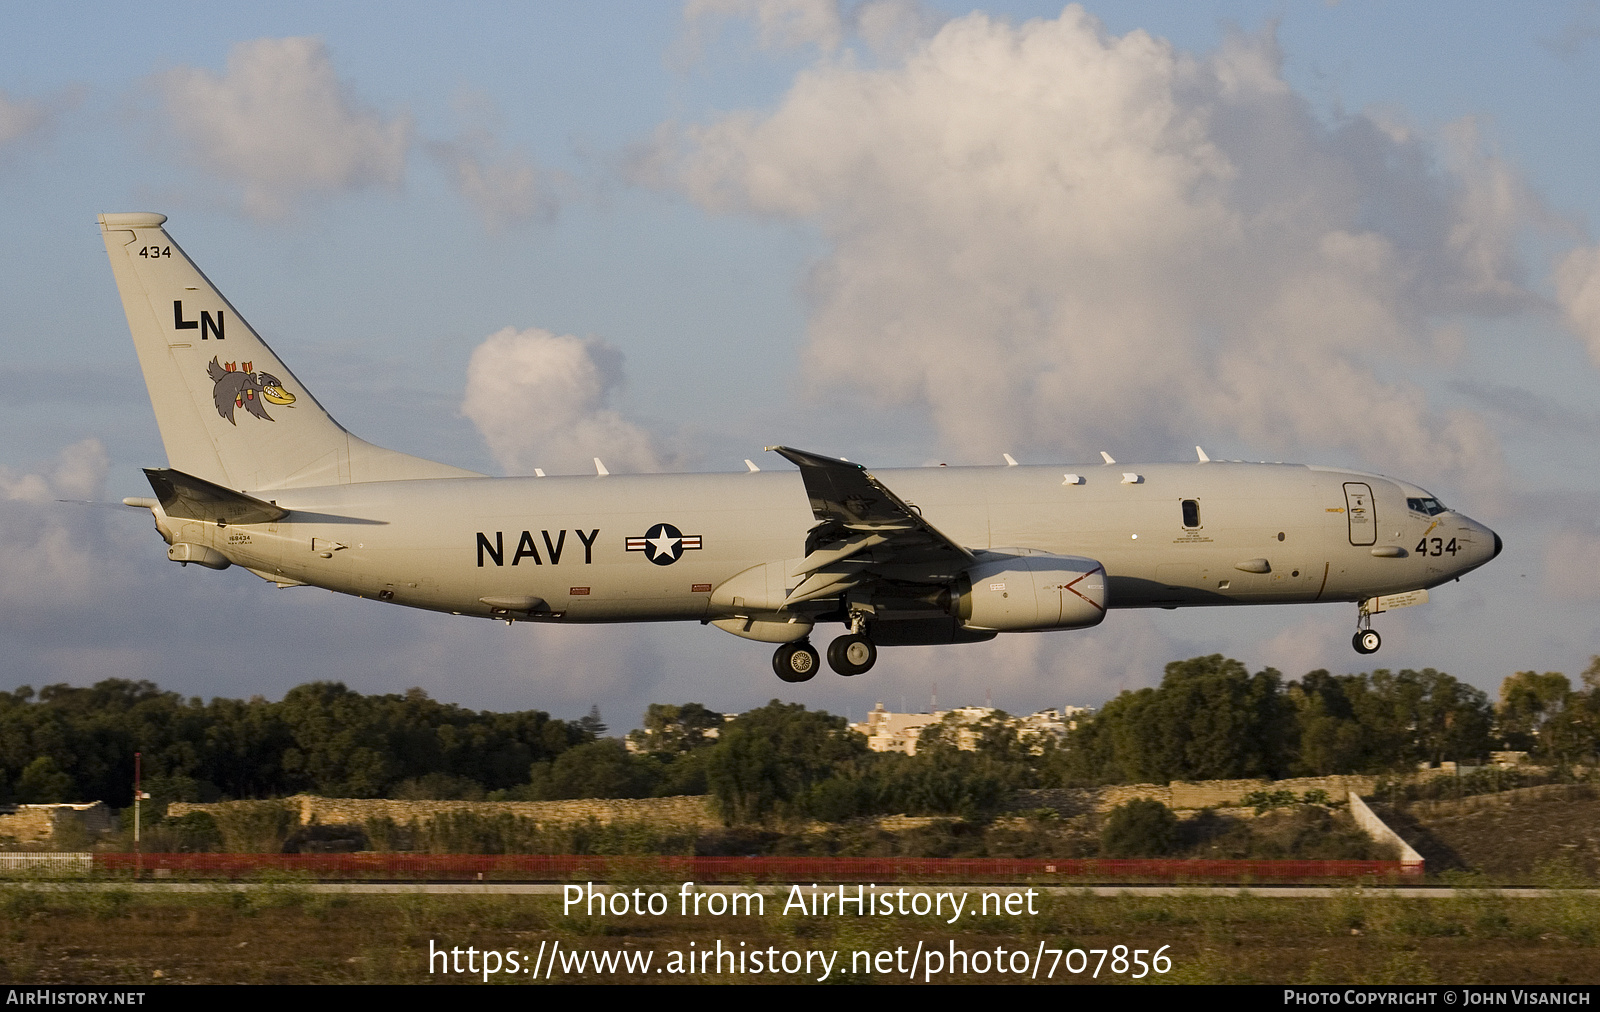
1497	545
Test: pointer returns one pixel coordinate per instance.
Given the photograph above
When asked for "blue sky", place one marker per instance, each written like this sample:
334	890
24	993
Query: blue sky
1355	234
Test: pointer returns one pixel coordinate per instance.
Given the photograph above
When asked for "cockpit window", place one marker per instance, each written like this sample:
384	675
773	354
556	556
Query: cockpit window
1427	507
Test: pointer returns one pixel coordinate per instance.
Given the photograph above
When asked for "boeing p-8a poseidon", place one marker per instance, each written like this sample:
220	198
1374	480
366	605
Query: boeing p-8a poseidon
260	476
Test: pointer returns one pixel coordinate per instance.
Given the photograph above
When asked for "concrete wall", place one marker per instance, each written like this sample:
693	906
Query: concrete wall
35	825
1380	831
1182	794
310	809
698	813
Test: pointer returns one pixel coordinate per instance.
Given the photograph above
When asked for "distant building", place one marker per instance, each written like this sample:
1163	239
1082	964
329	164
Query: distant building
895	732
898	732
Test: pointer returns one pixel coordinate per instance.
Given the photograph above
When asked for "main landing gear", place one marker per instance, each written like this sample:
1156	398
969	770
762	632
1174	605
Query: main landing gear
796	662
850	654
1366	640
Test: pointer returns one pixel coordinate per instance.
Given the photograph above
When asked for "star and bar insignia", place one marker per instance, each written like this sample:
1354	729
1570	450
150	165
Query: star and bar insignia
664	544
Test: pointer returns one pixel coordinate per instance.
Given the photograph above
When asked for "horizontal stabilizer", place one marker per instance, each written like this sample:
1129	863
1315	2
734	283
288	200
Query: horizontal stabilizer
189	498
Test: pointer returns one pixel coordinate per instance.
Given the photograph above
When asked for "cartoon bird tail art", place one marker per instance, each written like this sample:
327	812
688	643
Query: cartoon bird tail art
182	326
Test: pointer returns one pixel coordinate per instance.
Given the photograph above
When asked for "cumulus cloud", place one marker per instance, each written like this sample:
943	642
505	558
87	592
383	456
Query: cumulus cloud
543	400
1048	236
780	23
1578	292
886	26
79	473
281	125
504	187
26	119
45	563
20	117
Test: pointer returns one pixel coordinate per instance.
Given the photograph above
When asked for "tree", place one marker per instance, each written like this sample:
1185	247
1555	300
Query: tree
1528	702
1210	719
766	760
591	722
42	782
675	729
1331	739
596	769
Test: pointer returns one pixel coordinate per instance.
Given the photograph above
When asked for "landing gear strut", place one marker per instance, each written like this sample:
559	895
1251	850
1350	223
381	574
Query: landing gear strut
796	662
1366	639
852	654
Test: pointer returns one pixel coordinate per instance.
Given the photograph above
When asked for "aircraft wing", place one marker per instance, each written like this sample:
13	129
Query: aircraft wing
864	528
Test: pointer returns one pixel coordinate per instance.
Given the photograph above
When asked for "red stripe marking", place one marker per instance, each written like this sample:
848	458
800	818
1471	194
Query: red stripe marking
1073	586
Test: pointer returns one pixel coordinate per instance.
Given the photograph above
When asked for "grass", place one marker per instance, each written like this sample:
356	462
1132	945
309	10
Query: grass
281	933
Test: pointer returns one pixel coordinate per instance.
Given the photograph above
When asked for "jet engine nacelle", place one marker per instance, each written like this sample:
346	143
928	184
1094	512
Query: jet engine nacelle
1020	591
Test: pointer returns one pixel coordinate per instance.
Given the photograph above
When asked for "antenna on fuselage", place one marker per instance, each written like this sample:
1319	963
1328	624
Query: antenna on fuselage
1202	455
1107	457
600	469
1010	460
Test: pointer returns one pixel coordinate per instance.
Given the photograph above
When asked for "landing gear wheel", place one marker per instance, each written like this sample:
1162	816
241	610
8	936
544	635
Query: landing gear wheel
852	654
1367	641
796	662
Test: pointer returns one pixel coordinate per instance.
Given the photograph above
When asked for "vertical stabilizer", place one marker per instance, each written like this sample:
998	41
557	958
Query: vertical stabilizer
230	412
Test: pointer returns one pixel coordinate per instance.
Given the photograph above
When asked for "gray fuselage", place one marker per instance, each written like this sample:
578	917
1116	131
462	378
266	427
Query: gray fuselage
1257	534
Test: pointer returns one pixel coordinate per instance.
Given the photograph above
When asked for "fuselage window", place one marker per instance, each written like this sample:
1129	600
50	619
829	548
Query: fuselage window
1191	513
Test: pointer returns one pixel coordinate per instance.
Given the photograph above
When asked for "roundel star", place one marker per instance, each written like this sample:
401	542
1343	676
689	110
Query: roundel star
666	544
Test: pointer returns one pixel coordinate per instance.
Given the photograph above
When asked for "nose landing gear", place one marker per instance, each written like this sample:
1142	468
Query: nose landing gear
1366	640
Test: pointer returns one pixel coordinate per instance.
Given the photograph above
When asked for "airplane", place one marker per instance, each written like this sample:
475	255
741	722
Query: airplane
260	476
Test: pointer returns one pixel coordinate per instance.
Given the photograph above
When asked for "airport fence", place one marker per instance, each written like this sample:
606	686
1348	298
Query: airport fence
576	867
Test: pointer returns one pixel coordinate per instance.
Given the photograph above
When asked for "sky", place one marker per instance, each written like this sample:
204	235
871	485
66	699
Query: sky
524	235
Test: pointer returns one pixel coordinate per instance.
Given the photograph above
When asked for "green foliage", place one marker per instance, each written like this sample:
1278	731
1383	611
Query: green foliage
254	827
42	781
767	760
676	729
194	832
1544	715
1142	827
1387	720
503	833
1261	801
596	769
1210	720
77	744
438	787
